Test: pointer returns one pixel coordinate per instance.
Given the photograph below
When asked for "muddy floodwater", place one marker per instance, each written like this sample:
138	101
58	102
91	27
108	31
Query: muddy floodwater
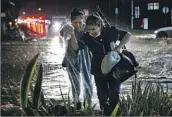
154	56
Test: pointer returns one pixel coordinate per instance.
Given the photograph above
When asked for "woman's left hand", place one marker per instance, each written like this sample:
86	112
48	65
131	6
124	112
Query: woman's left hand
117	49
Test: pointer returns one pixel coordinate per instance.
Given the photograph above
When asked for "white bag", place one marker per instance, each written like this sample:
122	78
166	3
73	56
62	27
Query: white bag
109	61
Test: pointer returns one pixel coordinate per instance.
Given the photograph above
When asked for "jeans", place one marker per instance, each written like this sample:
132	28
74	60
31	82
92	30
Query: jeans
108	92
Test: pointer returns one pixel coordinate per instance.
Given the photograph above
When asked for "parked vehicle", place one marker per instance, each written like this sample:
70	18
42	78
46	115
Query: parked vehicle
165	32
56	23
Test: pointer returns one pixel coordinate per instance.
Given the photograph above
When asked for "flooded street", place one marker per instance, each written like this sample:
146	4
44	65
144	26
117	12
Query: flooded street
154	56
155	61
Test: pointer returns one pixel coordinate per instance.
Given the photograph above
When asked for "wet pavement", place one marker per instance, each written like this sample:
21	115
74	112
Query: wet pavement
155	59
154	56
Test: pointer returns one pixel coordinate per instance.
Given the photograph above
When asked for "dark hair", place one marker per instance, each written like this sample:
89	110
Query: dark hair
76	12
93	20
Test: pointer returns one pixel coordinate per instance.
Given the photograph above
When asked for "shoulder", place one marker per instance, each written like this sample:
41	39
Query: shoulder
111	29
117	29
84	41
85	36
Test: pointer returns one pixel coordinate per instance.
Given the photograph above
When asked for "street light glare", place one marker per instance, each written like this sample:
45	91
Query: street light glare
24	13
39	9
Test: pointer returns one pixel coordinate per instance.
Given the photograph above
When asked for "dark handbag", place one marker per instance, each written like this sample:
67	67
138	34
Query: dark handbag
126	66
131	57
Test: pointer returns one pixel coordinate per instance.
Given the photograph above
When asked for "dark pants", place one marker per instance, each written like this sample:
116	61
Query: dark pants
108	93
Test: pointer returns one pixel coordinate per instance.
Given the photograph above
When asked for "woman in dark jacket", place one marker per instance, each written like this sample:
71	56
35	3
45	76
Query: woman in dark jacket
100	40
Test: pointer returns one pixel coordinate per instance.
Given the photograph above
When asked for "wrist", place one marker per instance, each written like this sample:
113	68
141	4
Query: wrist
73	34
117	47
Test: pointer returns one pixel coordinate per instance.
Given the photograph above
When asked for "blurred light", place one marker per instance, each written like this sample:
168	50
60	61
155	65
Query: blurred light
24	13
19	21
48	21
34	20
41	28
28	19
25	21
86	11
39	9
155	31
40	17
28	24
12	3
57	25
32	17
10	23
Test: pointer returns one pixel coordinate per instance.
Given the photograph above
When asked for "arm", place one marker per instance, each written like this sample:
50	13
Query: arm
124	38
77	44
74	42
67	32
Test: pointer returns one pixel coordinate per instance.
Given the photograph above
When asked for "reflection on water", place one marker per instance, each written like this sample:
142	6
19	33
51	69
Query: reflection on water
155	59
155	64
56	77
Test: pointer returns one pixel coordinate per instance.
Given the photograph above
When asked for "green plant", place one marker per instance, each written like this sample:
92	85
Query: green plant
146	99
26	81
36	104
153	100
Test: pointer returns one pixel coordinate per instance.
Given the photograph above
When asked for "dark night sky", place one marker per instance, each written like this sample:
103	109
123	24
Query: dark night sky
60	5
63	7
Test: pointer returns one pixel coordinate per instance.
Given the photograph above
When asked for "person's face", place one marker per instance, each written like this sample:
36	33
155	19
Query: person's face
94	30
78	22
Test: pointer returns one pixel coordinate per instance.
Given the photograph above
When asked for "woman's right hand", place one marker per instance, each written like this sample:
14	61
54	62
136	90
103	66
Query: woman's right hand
67	28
